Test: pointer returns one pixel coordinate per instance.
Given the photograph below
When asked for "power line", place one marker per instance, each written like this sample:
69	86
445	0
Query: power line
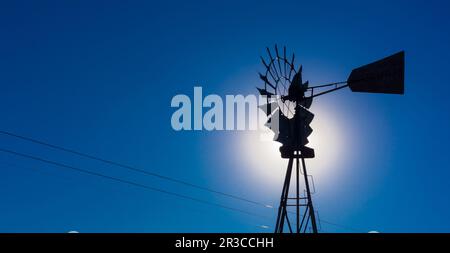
144	172
340	226
332	224
149	173
152	188
128	182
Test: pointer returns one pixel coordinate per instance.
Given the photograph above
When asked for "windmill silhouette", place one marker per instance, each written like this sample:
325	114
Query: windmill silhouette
288	100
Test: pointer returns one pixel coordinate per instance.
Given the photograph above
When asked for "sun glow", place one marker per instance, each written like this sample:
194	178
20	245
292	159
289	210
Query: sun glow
262	155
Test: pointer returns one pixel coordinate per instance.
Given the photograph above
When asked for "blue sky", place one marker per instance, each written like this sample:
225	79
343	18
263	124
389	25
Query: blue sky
98	77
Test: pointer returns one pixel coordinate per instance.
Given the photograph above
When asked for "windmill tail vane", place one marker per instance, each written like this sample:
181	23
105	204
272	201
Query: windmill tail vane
288	110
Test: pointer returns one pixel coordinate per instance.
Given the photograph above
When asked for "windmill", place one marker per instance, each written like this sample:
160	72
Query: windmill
288	100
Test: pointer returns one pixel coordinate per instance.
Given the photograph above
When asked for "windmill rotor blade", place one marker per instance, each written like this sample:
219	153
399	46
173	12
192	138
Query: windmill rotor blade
283	139
291	65
269	53
282	134
279	125
305	114
264	78
297	79
269	108
285	60
307	102
272	60
264	92
307	131
269	122
267	68
306	84
278	60
264	62
383	76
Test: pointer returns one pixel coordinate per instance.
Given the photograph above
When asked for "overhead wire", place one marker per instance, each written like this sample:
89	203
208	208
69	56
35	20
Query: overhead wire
61	165
132	168
144	172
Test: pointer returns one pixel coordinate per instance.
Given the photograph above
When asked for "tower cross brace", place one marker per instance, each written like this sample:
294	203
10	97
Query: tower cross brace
304	209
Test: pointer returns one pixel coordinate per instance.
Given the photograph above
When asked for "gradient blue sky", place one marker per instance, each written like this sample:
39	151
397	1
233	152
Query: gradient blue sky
98	76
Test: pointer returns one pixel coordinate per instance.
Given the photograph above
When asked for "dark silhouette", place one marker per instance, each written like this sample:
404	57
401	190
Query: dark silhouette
288	103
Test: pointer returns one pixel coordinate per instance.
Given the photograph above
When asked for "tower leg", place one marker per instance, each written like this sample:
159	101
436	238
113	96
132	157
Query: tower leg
297	201
308	193
282	212
302	220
